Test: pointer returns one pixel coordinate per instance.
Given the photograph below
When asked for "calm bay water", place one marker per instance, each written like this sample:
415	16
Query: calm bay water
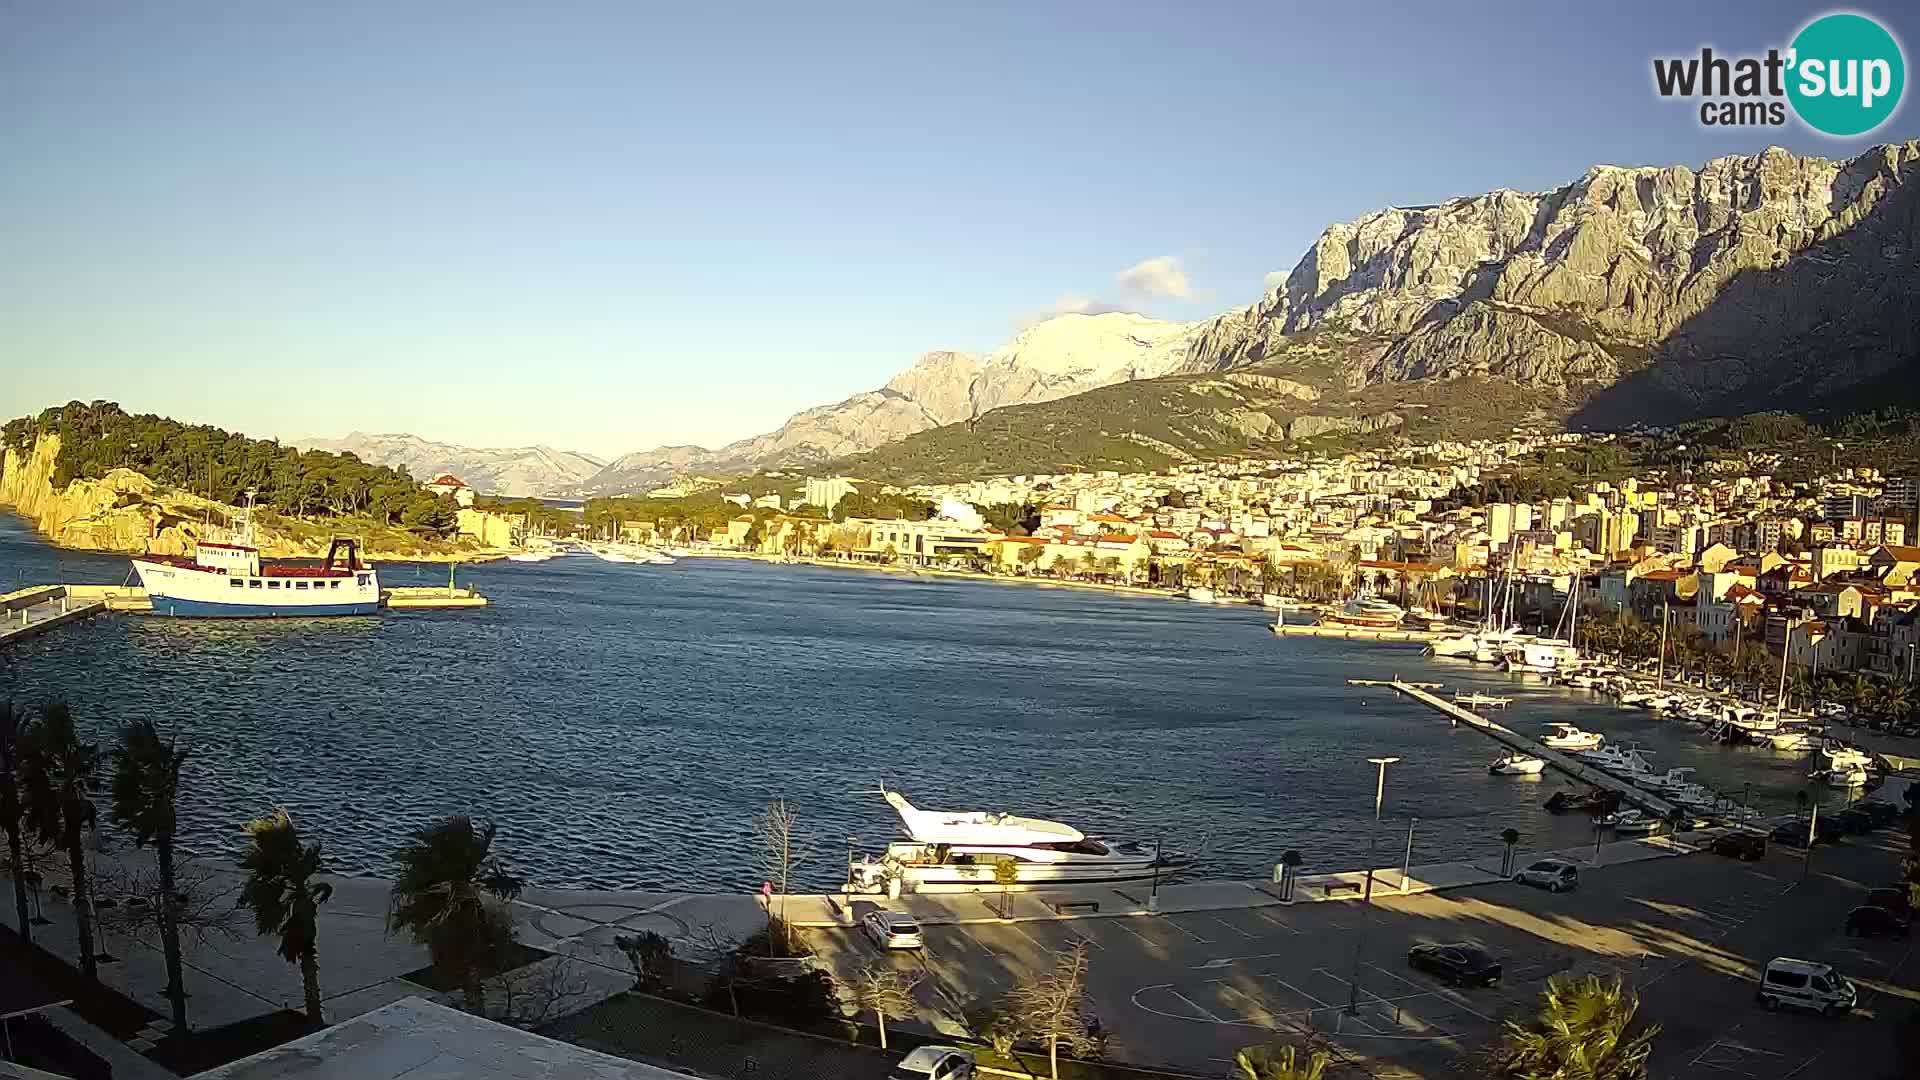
623	724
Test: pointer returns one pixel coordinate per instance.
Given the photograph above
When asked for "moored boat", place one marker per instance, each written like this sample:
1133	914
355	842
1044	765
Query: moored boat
221	580
1517	764
1569	737
957	851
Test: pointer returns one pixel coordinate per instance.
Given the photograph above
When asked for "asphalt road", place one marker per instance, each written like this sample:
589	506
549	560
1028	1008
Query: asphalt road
1690	933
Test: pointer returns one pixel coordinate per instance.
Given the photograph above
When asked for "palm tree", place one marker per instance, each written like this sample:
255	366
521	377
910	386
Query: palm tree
10	811
450	896
57	770
285	898
146	790
1286	1063
1582	1030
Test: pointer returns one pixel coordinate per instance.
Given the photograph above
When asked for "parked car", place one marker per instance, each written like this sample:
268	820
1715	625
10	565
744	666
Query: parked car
1869	921
1743	845
1553	875
1460	963
1856	821
1884	813
936	1063
1804	984
1791	834
1895	898
892	929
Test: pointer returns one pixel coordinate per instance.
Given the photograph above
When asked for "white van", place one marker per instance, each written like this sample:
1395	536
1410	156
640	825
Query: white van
1803	984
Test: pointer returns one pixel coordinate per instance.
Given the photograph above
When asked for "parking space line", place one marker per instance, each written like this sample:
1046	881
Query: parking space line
1196	1006
1433	991
1144	939
1317	1001
1282	924
1084	935
1171	922
1230	926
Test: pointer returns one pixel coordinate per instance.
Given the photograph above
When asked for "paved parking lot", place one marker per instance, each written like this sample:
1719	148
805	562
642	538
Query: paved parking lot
1690	932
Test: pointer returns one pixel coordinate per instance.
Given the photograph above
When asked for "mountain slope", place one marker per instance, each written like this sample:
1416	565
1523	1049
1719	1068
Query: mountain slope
526	470
1051	359
1644	294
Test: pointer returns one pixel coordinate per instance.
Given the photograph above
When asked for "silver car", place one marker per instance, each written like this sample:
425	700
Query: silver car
892	929
1553	875
936	1063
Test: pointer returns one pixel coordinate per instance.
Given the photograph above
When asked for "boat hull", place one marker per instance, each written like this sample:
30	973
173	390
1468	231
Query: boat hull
201	609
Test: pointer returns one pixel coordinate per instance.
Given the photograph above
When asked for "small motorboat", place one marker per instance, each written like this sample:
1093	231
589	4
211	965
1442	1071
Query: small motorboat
1478	699
1568	737
1629	821
1595	801
1517	765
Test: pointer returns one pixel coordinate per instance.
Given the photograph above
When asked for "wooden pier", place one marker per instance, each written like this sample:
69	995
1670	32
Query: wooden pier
1514	740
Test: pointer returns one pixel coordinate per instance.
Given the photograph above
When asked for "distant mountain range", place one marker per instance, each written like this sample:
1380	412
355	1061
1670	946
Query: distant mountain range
1631	295
524	470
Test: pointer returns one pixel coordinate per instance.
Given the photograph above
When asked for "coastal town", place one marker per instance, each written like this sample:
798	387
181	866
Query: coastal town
1722	553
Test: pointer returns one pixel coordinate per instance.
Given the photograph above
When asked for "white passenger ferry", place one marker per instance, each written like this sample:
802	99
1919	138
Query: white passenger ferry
231	581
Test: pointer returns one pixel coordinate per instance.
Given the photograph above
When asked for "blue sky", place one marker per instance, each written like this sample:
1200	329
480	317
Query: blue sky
607	226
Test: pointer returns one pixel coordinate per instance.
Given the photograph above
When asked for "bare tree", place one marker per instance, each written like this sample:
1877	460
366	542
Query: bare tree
532	995
204	903
712	946
887	992
1053	1007
775	828
651	956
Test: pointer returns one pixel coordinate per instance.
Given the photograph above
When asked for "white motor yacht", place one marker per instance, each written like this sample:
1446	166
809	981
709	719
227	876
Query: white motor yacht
1459	645
1673	781
1477	699
1200	594
956	851
1625	763
1568	737
1794	739
1517	764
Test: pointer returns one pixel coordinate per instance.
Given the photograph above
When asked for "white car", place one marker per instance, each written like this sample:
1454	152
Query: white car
892	929
1553	875
936	1063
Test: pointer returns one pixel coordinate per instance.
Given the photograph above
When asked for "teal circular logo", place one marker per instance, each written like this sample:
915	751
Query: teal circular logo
1847	74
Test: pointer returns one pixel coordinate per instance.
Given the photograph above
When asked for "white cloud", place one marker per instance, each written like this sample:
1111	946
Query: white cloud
1067	304
1161	275
1274	280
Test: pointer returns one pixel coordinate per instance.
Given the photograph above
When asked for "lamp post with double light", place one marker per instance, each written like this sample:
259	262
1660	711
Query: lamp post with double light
1373	844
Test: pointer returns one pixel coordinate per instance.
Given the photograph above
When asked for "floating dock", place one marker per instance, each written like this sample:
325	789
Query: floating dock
1514	740
410	597
32	611
1359	632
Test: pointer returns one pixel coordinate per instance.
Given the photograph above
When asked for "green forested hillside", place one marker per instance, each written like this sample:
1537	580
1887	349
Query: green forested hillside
97	437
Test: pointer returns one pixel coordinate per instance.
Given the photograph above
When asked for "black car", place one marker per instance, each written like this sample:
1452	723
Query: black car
1869	921
1895	898
1792	834
1743	845
1458	964
1855	820
1884	813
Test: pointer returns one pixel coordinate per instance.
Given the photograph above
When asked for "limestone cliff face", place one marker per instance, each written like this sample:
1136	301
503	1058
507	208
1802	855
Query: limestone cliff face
113	513
1757	258
127	513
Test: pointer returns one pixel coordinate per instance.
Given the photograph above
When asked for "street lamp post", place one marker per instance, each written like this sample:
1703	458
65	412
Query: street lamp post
1910	661
1406	864
1373	843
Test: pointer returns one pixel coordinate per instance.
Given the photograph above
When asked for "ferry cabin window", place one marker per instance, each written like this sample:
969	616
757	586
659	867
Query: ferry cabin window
363	579
254	583
273	584
237	583
333	584
299	584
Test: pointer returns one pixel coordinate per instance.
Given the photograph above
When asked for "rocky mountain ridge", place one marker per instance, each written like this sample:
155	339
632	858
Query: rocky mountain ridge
1631	294
1054	358
514	471
1638	294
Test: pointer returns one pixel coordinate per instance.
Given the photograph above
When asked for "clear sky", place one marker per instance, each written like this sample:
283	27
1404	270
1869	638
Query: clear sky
607	226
